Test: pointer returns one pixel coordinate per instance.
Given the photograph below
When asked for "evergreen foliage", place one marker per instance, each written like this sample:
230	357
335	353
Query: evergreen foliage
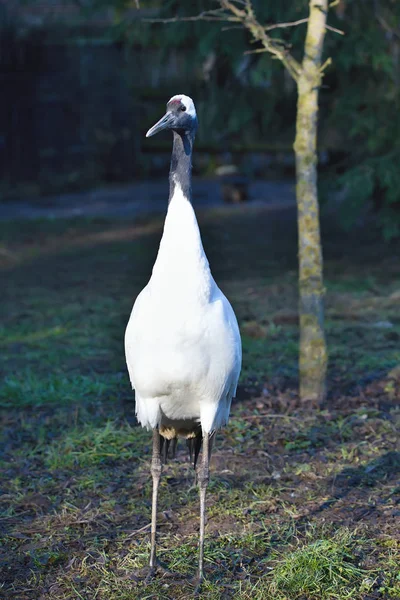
363	106
359	123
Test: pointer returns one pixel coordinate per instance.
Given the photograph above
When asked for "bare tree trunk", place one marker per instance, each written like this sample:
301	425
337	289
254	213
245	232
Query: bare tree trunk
313	351
313	356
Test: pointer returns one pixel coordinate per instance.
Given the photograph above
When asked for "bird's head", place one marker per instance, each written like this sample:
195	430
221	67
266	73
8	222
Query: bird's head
180	116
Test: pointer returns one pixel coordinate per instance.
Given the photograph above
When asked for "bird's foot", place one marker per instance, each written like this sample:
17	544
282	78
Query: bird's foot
149	573
144	574
164	570
197	584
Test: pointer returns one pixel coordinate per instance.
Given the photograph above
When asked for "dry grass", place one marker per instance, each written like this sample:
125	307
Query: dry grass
303	501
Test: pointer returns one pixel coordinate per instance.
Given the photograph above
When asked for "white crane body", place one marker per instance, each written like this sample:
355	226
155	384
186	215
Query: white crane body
182	342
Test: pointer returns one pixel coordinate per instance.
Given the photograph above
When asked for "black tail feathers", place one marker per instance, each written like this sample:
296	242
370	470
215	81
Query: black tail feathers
194	445
165	449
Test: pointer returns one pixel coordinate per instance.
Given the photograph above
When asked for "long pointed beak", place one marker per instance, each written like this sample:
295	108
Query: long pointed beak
164	123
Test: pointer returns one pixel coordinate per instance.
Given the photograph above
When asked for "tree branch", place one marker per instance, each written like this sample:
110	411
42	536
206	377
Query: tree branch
196	18
207	15
275	48
290	24
258	51
230	12
334	29
325	65
241	14
386	27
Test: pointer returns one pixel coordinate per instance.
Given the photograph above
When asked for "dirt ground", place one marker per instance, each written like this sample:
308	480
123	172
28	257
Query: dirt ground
303	501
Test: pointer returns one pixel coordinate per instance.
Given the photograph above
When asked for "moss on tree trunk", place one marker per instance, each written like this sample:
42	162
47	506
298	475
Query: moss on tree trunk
313	350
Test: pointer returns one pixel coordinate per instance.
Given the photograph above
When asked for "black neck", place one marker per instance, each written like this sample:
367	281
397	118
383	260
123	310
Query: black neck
181	164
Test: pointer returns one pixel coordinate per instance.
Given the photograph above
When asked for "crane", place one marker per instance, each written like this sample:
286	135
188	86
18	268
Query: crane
182	342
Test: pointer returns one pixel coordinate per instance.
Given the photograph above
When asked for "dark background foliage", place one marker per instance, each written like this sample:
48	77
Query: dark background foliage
82	82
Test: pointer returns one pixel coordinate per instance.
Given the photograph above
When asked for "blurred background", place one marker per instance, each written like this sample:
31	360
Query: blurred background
303	499
82	80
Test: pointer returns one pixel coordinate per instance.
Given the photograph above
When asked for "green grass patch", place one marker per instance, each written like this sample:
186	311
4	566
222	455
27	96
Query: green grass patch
33	388
89	446
260	356
321	570
76	496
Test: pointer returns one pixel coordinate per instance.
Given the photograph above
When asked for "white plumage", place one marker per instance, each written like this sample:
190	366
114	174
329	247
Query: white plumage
182	342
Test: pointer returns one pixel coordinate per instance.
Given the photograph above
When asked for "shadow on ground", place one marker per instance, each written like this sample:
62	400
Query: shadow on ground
75	499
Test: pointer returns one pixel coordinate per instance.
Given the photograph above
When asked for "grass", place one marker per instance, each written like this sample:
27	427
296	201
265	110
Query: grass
302	500
89	446
321	569
31	388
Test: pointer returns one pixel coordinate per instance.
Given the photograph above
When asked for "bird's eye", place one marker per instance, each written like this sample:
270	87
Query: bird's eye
182	108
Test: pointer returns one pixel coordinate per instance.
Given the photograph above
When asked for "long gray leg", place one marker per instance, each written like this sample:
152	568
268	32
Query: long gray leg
203	478
156	474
